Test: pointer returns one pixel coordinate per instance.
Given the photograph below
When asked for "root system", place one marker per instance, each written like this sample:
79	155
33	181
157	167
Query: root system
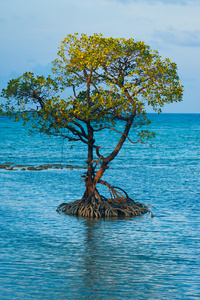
104	208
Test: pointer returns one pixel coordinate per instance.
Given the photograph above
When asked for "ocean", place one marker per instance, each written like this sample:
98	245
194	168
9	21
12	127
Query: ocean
47	255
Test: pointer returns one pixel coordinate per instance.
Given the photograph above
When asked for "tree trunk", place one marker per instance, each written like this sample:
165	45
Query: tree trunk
99	174
92	179
90	170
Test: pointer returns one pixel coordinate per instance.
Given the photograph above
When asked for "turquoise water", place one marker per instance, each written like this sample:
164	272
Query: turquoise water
46	255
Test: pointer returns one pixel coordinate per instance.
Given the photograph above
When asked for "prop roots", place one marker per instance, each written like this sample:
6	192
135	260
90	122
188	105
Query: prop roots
102	207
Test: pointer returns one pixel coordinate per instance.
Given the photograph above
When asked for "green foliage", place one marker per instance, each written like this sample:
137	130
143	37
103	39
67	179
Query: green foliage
110	79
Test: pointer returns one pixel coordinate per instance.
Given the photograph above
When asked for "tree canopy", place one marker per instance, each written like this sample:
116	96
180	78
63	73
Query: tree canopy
96	82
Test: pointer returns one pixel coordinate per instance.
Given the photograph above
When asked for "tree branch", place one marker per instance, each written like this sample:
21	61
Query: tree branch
110	128
122	139
81	128
35	96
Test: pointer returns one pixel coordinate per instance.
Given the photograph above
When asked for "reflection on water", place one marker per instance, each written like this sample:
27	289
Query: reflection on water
62	257
46	255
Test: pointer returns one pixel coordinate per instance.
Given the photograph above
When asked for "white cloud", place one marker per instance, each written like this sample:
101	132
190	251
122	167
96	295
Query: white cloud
186	38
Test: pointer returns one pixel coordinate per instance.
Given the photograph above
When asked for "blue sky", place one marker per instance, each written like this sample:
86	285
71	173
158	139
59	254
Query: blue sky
31	31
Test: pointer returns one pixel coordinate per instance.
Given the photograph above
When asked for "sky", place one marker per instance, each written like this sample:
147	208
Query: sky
31	31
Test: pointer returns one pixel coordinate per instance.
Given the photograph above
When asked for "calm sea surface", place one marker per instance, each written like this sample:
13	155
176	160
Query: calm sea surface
46	255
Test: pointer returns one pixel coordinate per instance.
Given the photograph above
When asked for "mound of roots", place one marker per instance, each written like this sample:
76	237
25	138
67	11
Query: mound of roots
104	208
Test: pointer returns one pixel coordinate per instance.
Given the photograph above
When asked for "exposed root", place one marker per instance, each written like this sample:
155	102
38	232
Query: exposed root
101	207
97	206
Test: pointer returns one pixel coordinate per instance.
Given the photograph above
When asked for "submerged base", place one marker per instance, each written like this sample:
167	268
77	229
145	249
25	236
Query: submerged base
106	208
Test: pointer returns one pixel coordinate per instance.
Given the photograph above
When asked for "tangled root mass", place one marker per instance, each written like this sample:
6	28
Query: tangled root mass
104	208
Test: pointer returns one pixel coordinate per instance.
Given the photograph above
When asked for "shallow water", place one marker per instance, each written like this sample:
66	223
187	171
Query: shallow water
46	255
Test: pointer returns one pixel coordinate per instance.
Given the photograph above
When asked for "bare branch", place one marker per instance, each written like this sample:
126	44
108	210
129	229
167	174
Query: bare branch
122	139
81	127
94	85
35	96
74	91
97	152
110	128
